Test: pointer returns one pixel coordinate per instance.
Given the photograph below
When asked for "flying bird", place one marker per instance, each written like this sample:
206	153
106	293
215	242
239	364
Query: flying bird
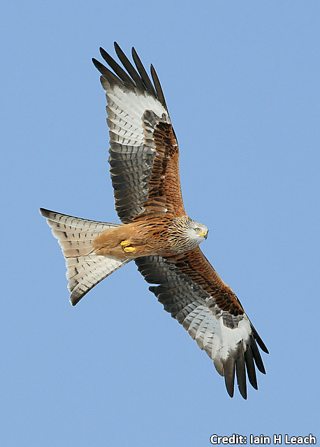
156	232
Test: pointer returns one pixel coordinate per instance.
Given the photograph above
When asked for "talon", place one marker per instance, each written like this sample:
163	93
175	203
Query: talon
129	249
125	243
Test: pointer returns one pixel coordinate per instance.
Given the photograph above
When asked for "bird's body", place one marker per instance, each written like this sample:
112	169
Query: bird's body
156	232
149	237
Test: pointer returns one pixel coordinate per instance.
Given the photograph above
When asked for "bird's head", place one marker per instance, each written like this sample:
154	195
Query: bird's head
197	231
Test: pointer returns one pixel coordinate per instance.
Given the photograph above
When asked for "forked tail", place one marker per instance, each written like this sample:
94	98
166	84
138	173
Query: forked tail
85	269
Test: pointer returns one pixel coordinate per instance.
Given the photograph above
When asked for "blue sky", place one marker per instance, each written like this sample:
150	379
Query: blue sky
241	80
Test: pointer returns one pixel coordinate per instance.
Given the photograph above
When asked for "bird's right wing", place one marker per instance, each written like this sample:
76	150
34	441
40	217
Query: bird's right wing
191	290
144	153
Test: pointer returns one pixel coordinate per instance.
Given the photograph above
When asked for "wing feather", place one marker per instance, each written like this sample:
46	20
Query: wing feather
241	372
144	155
251	371
158	87
191	290
129	67
229	367
106	73
116	67
144	75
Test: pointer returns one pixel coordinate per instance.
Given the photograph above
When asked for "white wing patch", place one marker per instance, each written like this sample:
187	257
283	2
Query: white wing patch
125	112
211	334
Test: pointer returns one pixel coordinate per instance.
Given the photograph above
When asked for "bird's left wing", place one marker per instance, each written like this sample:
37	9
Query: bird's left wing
191	290
143	147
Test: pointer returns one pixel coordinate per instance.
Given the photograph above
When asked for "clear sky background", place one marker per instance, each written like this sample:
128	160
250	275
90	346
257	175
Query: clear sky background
241	80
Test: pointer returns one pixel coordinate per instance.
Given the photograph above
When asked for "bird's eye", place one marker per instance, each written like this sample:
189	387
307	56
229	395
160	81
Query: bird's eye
198	230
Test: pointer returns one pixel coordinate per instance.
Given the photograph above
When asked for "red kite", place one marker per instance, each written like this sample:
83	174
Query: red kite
156	231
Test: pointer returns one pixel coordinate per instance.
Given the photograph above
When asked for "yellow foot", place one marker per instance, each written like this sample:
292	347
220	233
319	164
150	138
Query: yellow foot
125	243
129	249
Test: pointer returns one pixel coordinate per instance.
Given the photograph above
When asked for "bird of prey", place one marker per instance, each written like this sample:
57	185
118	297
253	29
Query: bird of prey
156	232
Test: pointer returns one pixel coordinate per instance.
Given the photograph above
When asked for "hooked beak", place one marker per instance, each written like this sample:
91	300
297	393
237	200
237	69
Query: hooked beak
204	234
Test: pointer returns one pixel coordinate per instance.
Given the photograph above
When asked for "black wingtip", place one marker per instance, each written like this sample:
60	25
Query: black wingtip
241	373
96	63
260	343
262	346
229	372
129	67
106	73
118	70
251	372
144	75
104	54
158	87
257	356
243	392
131	75
99	66
229	387
259	340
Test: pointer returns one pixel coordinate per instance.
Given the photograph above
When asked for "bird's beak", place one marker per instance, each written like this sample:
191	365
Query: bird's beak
204	234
